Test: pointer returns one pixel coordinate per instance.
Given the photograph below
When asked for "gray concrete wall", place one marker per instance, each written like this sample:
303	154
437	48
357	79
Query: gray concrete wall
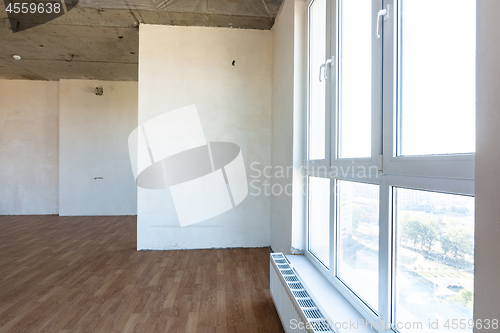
94	134
180	66
29	123
487	244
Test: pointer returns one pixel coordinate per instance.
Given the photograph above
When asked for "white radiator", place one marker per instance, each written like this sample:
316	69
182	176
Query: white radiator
296	309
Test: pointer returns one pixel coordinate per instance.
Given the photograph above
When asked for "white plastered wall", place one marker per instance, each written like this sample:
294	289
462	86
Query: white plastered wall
94	134
181	66
29	153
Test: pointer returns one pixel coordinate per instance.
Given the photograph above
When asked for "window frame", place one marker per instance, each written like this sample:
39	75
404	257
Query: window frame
458	166
376	95
312	164
453	174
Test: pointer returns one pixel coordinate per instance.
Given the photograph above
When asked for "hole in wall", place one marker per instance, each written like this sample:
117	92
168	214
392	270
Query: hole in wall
234	63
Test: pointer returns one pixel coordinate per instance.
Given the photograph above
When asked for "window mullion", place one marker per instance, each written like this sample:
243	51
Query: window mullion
385	252
377	84
389	82
387	117
333	228
332	92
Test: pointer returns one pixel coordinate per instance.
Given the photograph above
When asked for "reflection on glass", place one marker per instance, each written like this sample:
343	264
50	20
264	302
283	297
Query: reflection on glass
358	238
317	55
355	80
437	75
319	218
434	258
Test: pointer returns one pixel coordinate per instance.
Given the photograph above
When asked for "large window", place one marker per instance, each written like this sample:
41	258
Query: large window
391	128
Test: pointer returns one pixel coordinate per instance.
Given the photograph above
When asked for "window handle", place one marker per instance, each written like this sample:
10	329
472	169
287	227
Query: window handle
321	69
324	68
382	12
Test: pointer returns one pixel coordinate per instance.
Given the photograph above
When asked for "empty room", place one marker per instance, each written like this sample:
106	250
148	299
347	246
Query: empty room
245	166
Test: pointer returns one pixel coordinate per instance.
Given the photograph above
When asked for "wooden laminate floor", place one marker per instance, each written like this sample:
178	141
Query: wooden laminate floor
83	274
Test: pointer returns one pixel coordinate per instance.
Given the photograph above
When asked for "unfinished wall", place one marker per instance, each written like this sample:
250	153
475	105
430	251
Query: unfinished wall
181	66
487	246
94	134
29	117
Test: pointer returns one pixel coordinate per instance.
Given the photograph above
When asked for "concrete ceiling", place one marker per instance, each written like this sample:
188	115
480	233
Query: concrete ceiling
99	39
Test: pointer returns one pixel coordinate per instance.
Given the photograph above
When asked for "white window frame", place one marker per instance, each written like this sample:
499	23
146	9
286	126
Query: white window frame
457	166
452	174
312	164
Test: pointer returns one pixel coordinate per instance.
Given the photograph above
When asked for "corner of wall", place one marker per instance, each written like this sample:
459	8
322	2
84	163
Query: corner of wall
299	127
287	209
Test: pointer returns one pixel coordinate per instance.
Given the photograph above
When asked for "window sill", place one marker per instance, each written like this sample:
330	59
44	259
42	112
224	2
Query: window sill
328	299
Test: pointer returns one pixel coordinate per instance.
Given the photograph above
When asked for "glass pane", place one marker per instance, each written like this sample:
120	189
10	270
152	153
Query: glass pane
434	258
355	78
317	56
358	239
437	106
319	218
